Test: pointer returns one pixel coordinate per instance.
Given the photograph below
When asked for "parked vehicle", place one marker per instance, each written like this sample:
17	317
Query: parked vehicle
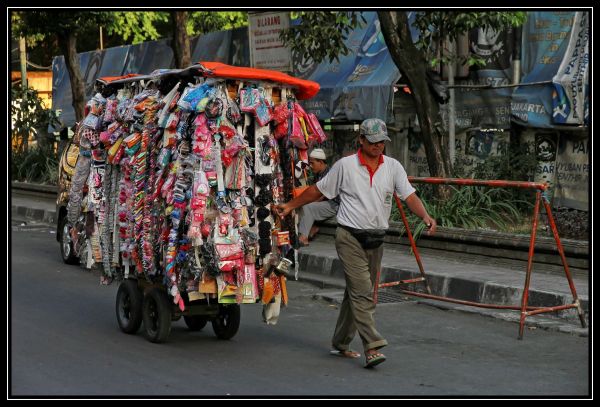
70	248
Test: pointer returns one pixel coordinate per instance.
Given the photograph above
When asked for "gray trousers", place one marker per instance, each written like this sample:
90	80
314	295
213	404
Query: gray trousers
315	211
358	309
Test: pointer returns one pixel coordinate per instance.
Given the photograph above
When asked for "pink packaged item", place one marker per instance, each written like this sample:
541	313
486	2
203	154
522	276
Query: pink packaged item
281	113
316	131
229	251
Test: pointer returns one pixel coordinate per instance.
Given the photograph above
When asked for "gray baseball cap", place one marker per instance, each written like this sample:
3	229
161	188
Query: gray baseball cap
374	130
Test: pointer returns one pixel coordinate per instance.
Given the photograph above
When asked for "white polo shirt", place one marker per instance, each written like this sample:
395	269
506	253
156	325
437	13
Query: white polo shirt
365	197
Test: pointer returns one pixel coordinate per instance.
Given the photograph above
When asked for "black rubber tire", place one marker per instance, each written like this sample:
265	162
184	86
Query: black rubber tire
67	251
129	306
195	322
227	322
156	315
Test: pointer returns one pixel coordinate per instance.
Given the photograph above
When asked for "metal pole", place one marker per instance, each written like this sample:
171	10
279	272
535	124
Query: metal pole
477	182
536	212
451	109
412	242
23	57
517	56
101	39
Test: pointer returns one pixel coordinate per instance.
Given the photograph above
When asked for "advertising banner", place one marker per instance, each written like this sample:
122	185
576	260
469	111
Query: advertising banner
359	85
571	85
544	46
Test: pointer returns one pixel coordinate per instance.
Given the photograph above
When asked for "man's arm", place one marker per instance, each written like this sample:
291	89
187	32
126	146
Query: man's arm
416	206
311	194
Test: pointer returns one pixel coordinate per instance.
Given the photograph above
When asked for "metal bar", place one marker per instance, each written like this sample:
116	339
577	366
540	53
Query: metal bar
464	302
395	283
525	309
552	309
477	182
536	212
412	241
376	286
563	258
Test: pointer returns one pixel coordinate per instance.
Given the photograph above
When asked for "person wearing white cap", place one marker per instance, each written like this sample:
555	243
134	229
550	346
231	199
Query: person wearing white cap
315	211
366	183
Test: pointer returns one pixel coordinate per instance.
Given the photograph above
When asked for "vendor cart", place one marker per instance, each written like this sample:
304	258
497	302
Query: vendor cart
172	192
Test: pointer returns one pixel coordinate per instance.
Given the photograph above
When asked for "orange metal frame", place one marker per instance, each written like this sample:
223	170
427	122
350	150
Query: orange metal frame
524	308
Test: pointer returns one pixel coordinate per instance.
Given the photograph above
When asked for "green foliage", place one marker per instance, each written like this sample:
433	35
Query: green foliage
468	208
321	34
517	163
59	22
29	116
202	22
137	26
36	165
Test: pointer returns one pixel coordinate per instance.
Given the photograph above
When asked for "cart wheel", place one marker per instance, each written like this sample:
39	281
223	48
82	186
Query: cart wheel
227	322
157	315
129	307
195	322
67	250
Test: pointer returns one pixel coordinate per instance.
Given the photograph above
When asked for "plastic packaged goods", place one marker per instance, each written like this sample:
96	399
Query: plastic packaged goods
191	199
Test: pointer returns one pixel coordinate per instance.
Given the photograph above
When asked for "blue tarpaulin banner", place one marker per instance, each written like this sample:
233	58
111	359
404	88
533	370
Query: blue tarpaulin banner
359	85
485	108
545	41
143	58
571	86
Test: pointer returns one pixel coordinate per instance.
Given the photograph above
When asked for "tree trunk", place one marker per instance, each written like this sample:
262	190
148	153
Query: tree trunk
68	45
181	41
413	67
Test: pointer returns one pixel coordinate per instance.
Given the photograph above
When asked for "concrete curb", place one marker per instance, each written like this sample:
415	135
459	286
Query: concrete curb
40	215
327	272
26	186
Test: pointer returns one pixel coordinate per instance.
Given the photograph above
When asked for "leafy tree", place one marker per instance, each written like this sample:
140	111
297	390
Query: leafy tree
202	22
66	26
321	35
29	116
138	26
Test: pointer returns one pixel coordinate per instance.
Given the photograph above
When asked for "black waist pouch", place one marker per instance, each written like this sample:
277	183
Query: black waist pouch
368	238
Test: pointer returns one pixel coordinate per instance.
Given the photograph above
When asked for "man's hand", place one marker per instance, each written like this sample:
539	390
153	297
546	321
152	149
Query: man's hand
416	206
283	210
311	194
431	225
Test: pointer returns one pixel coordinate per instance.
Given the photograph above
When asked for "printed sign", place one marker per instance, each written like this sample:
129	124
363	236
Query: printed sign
545	42
571	81
267	50
573	168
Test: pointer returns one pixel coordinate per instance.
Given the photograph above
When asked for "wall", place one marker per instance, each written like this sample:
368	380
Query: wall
563	162
40	81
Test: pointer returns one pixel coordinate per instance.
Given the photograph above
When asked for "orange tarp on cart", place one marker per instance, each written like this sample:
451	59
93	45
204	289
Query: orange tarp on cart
306	89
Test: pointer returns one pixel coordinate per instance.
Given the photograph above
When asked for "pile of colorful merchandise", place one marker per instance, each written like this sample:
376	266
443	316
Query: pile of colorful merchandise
177	174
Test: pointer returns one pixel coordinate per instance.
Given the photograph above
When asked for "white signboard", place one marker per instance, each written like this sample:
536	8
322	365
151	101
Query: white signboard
267	51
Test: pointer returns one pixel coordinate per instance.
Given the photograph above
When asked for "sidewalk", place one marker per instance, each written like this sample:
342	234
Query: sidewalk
38	207
451	274
455	276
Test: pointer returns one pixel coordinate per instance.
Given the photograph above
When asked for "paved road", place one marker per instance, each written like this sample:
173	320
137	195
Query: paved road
65	341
